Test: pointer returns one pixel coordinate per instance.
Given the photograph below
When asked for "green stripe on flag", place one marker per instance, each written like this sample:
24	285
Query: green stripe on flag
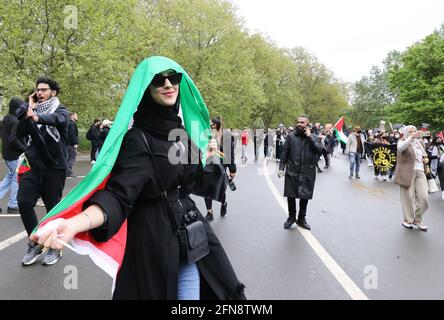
196	123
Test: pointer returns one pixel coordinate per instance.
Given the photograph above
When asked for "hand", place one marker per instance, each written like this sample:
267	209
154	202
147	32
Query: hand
232	175
414	135
76	146
29	113
212	147
425	160
64	232
280	174
307	131
32	104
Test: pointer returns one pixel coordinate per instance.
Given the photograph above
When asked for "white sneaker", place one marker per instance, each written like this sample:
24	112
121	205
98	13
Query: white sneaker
384	178
92	162
407	225
421	226
40	203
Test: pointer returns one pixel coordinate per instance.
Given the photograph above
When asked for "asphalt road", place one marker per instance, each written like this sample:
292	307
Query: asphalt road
356	249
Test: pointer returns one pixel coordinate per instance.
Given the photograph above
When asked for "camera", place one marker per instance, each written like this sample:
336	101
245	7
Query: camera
34	97
231	184
190	217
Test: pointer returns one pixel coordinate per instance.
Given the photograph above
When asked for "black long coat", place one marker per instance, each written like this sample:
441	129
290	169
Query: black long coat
151	261
299	156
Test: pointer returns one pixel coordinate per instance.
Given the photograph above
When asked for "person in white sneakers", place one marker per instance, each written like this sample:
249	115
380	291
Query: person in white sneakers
411	178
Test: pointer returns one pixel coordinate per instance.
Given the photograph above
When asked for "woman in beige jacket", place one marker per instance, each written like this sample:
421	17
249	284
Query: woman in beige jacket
410	176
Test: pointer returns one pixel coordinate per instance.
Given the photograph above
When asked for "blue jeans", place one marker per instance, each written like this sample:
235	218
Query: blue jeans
10	182
188	282
355	160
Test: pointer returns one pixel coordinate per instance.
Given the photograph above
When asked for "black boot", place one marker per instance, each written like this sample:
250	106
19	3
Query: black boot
291	219
209	215
223	209
303	223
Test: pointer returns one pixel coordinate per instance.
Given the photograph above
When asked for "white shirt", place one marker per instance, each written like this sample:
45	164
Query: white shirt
417	148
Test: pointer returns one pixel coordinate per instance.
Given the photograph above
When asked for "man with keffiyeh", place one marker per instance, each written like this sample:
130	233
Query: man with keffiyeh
45	121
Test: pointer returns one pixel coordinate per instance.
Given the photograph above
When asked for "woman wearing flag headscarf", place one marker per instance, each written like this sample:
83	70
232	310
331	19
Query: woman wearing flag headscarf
411	178
151	266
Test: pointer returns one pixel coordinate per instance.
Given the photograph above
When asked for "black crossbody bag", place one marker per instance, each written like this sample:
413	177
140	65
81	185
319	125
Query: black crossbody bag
193	239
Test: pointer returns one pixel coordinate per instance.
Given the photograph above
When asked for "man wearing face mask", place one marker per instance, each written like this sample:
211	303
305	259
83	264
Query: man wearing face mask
355	148
299	156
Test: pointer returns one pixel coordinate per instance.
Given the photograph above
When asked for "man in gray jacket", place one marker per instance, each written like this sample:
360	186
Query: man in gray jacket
355	149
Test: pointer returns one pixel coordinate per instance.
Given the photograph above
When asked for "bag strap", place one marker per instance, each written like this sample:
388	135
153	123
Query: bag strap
163	192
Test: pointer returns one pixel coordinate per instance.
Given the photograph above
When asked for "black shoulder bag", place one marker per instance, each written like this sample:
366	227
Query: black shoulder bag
193	239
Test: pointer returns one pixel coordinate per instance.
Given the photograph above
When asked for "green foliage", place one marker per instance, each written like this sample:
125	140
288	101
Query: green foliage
245	79
417	80
370	97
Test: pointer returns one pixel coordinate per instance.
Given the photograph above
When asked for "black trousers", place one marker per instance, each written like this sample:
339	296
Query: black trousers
209	202
72	155
441	177
94	149
292	208
47	184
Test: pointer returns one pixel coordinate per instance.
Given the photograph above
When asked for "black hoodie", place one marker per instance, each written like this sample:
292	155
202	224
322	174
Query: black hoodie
12	146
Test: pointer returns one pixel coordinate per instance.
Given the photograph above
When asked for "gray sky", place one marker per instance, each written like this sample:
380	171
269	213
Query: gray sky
348	36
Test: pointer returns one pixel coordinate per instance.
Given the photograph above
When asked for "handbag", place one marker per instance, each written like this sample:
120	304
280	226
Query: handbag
433	187
192	236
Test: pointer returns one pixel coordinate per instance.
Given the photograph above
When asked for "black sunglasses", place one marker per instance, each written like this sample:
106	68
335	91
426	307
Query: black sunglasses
159	80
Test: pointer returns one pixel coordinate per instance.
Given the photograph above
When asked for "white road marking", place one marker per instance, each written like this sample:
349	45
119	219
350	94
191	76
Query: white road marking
344	280
9	215
10	241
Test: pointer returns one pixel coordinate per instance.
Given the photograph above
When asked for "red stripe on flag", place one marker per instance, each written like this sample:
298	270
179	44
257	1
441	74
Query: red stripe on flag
339	124
114	247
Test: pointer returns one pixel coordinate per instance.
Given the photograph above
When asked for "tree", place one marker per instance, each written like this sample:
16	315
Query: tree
370	97
83	45
323	98
417	80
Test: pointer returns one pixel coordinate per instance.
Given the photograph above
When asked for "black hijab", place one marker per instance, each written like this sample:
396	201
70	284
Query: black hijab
158	120
14	104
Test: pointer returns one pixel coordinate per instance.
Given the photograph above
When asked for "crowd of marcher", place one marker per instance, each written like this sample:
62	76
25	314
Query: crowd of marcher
40	144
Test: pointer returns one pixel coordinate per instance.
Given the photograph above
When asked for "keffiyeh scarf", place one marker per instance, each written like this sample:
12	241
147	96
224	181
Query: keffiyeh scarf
49	107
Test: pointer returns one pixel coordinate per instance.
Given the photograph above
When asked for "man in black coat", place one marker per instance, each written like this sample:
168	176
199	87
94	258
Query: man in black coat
45	121
93	135
12	148
300	154
73	142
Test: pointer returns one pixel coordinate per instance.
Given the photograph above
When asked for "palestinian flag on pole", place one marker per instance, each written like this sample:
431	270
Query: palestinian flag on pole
109	255
338	130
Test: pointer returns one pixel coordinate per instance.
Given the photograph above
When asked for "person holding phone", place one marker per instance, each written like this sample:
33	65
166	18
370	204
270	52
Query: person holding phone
299	157
45	120
410	177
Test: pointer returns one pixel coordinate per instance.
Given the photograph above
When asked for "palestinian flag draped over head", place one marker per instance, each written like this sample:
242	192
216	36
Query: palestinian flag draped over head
338	130
109	255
